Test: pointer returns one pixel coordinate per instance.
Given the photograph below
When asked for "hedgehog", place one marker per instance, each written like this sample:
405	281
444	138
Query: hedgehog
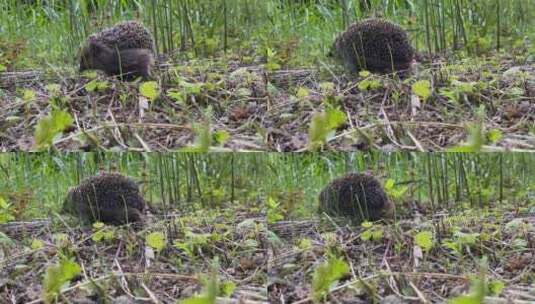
127	47
125	35
129	63
356	196
375	45
110	198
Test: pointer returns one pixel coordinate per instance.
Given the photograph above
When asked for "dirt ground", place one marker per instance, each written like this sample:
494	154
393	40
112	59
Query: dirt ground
394	269
264	110
125	270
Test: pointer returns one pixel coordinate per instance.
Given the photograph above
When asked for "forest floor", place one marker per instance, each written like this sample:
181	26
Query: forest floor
469	105
254	262
125	267
389	264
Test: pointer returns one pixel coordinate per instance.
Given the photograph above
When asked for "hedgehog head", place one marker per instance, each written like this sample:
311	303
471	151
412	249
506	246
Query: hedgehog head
69	200
93	56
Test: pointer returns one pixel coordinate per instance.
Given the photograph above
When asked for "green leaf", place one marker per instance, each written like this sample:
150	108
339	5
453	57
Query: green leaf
456	247
274	212
422	88
364	85
270	53
56	276
372	234
3	203
302	93
156	240
36	244
271	203
317	132
475	139
322	124
464	87
208	295
3	68
102	232
96	86
366	224
28	95
366	235
494	135
50	126
6	217
272	66
326	275
304	244
221	137
466	238
451	95
53	88
377	234
364	73
516	92
496	287
273	216
60	238
227	288
369	84
150	89
177	96
424	239
327	87
190	88
375	84
335	118
389	184
98	225
90	74
203	141
476	295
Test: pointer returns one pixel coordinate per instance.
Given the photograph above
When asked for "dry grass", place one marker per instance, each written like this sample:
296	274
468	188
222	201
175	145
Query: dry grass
260	111
124	267
395	265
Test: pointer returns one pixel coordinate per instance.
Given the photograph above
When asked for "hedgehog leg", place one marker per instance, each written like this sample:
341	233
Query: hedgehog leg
133	215
127	214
